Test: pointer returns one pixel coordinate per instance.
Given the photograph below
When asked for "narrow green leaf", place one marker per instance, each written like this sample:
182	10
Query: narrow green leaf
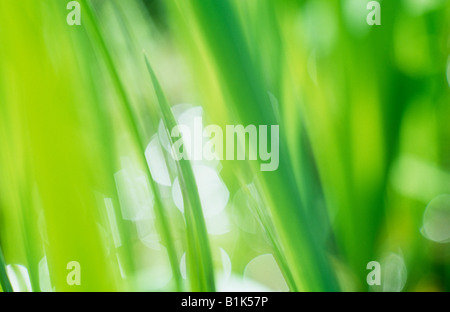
199	261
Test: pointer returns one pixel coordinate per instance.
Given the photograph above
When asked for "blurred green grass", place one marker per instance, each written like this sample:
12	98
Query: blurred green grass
364	144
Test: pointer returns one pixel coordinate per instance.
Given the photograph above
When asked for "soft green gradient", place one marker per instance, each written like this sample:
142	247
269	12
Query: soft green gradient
364	142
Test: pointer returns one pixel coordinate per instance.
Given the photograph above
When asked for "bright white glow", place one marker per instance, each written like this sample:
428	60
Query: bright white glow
155	272
157	163
418	179
213	192
235	283
265	270
177	110
44	276
112	222
183	266
393	273
243	209
177	196
436	219
218	224
135	196
190	118
148	234
19	278
355	13
226	264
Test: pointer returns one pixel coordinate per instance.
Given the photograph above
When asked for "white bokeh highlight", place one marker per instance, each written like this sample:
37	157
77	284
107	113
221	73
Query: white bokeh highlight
436	219
213	192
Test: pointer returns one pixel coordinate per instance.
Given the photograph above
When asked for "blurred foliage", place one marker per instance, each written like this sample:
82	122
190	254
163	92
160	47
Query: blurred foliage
87	176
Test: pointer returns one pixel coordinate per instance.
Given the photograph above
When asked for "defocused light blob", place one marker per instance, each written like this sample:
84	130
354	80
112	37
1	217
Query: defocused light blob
183	266
235	283
148	234
355	15
265	270
44	276
157	163
226	264
135	196
226	281
415	178
188	118
156	272
419	7
177	196
218	224
393	273
222	260
121	266
19	278
320	39
177	110
113	222
436	219
213	192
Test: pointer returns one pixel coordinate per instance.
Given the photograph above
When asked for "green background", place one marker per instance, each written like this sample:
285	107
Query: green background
364	170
